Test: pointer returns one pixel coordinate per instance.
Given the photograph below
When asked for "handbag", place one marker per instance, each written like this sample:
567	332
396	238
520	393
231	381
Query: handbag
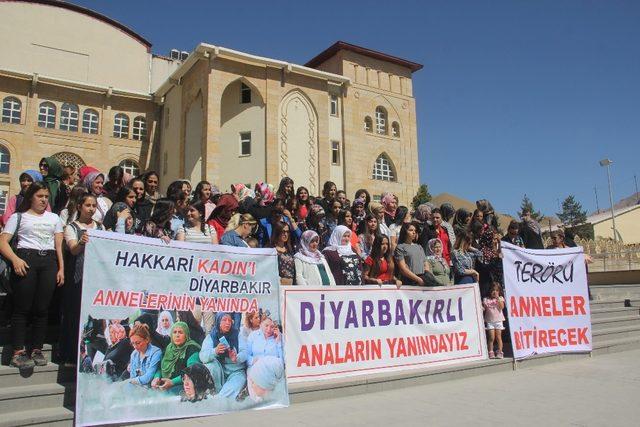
6	267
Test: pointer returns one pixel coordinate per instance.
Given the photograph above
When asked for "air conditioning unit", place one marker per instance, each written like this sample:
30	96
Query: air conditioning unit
184	55
175	54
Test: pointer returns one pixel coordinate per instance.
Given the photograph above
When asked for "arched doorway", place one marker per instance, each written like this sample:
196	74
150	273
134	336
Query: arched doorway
69	159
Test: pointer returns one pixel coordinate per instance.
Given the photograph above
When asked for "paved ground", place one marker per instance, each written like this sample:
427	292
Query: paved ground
601	391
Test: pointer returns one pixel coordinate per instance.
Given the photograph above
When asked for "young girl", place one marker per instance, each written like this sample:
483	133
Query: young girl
281	241
379	266
194	228
75	235
38	267
494	317
345	217
368	232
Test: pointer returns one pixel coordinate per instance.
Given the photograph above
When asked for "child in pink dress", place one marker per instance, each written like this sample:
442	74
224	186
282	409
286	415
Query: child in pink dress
494	319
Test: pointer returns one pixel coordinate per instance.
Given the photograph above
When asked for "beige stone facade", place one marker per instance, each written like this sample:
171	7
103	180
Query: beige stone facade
220	115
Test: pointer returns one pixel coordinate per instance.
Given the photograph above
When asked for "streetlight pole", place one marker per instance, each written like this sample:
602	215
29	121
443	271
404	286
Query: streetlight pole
607	163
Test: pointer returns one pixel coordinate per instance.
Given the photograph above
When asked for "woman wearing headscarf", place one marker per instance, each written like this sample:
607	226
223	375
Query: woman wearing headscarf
165	322
461	221
224	210
27	178
317	221
181	353
197	383
346	265
439	266
358	212
390	204
311	266
224	353
52	171
94	182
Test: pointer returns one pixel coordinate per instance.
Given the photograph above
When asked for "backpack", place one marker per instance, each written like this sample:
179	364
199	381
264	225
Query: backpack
6	267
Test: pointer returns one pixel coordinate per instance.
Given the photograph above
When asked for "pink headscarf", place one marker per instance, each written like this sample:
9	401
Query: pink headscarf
305	253
266	191
387	200
85	170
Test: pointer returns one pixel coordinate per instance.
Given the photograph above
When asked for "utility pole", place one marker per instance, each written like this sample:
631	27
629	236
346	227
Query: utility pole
595	190
635	178
607	163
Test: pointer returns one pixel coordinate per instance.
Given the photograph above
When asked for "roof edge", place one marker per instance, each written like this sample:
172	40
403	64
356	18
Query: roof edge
341	45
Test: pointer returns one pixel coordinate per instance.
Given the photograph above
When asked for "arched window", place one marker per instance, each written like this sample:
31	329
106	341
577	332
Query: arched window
47	115
5	159
383	169
130	166
139	128
381	121
395	129
90	120
11	110
69	117
368	124
121	126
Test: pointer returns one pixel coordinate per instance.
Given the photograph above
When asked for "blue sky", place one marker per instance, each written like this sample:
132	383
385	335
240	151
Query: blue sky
515	97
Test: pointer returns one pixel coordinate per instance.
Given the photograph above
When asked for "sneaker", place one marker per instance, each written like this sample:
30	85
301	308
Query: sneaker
492	355
22	360
38	358
499	355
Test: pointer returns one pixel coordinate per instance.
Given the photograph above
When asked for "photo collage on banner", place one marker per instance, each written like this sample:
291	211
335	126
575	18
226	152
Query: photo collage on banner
178	330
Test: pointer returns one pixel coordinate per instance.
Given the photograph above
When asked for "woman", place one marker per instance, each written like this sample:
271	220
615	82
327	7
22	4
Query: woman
114	183
252	321
390	205
195	229
70	212
345	217
304	204
358	212
281	241
285	189
265	359
227	206
197	383
329	191
464	258
143	206
345	265
266	341
513	234
38	268
118	354
438	265
224	354
311	266
238	229
125	199
316	221
364	195
159	225
94	182
203	193
165	322
461	221
331	220
378	211
52	172
411	261
27	178
181	353
145	358
367	233
151	181
76	238
402	216
151	321
379	265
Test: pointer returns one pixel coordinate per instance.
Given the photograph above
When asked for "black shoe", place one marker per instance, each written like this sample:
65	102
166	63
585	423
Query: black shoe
244	393
38	358
22	360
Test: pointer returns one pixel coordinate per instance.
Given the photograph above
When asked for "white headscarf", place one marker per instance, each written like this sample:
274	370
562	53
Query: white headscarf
335	241
160	329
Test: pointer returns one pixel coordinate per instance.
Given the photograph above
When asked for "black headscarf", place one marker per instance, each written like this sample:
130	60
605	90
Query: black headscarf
202	381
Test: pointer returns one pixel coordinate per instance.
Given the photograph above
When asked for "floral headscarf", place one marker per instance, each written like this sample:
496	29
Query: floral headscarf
423	213
90	178
432	245
266	191
335	241
305	253
387	200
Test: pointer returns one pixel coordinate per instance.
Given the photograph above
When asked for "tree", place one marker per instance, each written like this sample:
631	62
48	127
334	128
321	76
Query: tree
527	204
572	213
422	196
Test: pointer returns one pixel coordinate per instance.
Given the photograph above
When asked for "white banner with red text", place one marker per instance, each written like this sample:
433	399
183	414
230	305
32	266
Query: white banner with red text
547	300
333	332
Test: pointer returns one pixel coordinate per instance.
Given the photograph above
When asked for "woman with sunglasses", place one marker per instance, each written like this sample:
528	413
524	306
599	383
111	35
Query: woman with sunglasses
52	171
239	228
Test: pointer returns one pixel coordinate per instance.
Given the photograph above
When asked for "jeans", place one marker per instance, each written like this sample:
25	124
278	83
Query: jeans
32	294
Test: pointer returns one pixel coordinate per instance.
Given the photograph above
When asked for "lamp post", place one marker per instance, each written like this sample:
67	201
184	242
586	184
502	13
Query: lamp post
607	163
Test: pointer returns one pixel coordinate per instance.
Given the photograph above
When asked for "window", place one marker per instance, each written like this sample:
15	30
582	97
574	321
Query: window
395	129
130	166
5	159
90	121
335	152
139	128
47	115
4	196
334	105
368	124
121	126
245	94
383	169
11	110
69	117
245	143
381	121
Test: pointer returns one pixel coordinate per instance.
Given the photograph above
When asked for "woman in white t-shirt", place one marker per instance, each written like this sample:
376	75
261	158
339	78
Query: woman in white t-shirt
38	267
75	236
195	229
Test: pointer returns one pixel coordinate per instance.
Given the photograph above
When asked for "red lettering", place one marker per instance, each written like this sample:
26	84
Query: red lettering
303	356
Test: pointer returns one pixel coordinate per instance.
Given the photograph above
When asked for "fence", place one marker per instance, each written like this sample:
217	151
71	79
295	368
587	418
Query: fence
611	256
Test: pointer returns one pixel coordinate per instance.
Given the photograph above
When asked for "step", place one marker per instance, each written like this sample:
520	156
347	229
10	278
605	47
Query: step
609	303
615	291
616	345
629	332
47	350
13	377
45	416
603	313
617	321
29	397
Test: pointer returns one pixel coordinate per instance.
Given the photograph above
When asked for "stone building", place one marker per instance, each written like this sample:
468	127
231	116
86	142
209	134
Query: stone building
79	85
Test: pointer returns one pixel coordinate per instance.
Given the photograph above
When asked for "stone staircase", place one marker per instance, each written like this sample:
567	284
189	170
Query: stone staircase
46	395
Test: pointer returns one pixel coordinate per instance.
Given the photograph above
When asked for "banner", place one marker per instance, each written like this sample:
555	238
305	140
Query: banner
547	300
334	332
211	343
